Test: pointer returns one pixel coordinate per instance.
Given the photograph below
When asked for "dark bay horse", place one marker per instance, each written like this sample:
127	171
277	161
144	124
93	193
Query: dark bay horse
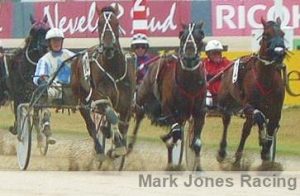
174	90
109	85
22	63
3	77
258	91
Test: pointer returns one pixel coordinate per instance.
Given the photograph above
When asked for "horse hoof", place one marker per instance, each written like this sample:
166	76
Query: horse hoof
51	140
12	130
221	156
167	139
120	151
197	146
101	157
198	168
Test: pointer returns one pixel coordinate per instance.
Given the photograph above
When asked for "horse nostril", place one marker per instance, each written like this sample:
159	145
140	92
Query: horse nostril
279	50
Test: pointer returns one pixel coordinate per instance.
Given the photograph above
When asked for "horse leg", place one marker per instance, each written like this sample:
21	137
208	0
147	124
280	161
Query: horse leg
267	139
139	115
90	125
245	133
223	144
199	121
253	116
118	138
13	129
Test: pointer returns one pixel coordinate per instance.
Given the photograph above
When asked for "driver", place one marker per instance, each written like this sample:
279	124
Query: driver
46	68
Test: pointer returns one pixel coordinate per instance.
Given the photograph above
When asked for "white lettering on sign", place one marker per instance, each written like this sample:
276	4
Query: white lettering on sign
72	25
163	26
238	17
251	13
225	14
138	6
79	24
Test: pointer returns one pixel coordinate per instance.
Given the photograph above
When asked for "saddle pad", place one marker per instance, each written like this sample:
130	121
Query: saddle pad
235	71
86	66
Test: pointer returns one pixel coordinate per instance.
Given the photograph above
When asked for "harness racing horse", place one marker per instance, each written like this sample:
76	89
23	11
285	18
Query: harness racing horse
22	63
258	90
174	89
108	86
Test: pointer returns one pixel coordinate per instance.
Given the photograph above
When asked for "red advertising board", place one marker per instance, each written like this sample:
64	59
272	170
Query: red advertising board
6	20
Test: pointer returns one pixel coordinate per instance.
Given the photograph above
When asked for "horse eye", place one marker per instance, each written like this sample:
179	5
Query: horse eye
265	36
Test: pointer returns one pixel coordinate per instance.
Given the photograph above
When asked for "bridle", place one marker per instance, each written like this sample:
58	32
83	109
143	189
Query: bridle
37	47
108	28
189	39
275	44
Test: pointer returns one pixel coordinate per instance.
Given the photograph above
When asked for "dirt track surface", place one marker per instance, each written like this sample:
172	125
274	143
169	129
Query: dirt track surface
77	155
70	154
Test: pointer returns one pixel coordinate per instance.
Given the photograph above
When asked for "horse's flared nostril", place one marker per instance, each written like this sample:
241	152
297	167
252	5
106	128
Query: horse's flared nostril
279	50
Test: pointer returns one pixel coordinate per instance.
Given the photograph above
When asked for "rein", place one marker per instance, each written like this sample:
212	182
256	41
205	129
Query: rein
113	80
28	58
107	27
265	62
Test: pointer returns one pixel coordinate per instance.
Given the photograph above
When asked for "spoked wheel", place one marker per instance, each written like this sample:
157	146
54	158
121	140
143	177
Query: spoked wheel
273	147
190	156
24	136
105	139
41	137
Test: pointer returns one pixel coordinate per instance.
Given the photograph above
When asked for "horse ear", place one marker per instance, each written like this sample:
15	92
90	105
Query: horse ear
278	21
98	9
183	25
201	24
116	9
32	20
263	21
45	19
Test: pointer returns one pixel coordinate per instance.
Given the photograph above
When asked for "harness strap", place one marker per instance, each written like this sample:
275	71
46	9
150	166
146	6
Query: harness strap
265	62
107	15
88	98
5	66
192	96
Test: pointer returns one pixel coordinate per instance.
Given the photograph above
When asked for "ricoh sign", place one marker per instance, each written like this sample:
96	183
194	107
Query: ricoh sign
239	17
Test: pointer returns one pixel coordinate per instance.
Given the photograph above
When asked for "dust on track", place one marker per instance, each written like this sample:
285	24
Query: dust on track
70	154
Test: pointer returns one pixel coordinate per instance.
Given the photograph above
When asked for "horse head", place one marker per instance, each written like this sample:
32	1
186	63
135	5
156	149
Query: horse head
108	28
36	44
191	42
272	44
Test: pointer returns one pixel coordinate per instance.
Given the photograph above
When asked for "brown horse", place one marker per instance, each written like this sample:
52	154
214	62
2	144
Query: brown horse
21	65
174	90
258	91
109	84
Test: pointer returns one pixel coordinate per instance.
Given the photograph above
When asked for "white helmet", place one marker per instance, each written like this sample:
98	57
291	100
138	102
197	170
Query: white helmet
213	45
54	33
139	38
